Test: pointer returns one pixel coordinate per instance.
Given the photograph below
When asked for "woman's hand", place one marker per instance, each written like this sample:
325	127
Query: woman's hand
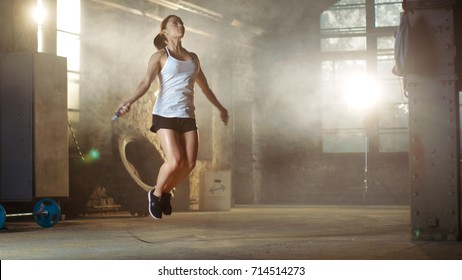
123	109
224	116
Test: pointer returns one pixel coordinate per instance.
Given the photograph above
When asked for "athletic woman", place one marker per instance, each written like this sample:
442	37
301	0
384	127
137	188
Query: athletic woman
173	118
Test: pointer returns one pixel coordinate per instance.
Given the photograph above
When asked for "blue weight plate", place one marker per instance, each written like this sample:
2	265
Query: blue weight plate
2	216
47	212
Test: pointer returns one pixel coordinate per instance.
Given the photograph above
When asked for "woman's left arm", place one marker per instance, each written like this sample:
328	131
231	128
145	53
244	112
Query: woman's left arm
201	80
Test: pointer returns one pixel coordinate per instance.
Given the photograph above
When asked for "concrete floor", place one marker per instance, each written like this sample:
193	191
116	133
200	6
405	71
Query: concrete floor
245	232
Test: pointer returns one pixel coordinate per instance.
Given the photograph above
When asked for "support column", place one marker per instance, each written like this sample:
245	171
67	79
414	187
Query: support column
371	125
434	153
49	27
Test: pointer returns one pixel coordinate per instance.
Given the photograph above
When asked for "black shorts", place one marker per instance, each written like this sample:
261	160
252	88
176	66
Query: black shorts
180	125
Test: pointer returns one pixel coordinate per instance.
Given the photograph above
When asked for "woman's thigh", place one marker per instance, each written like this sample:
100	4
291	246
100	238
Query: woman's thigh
171	145
179	146
190	145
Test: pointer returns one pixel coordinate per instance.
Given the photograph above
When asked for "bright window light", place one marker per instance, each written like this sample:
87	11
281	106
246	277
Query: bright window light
68	16
361	92
39	15
73	89
39	12
69	47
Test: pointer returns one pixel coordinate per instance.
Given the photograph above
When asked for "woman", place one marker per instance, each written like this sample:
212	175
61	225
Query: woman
173	114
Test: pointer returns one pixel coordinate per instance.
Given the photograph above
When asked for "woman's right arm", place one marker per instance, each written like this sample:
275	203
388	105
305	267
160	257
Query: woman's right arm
143	86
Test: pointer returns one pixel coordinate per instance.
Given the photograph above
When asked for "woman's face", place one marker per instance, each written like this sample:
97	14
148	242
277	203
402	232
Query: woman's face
174	28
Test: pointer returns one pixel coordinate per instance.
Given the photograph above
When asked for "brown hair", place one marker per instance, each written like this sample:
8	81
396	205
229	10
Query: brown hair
160	41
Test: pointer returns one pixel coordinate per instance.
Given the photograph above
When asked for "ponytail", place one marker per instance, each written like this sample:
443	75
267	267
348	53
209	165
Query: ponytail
159	41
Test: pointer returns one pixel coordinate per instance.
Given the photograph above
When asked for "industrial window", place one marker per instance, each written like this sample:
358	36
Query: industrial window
357	42
67	45
387	13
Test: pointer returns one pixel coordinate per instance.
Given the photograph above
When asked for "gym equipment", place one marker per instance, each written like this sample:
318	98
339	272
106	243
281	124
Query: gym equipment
46	213
34	144
2	216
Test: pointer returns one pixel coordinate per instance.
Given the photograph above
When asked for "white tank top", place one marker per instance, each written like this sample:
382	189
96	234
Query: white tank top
176	92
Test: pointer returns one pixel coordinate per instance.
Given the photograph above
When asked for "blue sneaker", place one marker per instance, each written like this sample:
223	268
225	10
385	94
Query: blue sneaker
155	205
166	206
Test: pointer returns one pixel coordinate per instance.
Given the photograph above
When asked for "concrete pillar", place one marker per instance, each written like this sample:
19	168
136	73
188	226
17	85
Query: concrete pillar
257	145
243	127
49	27
221	135
371	122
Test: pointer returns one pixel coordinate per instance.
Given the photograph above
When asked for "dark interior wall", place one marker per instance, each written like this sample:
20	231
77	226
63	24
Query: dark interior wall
288	99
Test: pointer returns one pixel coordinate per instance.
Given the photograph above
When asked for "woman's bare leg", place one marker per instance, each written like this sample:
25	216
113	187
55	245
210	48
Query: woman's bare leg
189	142
181	153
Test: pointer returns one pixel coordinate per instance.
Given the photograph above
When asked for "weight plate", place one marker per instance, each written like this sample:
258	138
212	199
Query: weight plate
2	216
47	212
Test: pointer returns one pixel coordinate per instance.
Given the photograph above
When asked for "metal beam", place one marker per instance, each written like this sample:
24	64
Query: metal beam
434	154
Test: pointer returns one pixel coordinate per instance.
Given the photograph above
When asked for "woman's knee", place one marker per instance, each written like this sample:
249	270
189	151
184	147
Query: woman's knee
182	164
174	164
186	166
